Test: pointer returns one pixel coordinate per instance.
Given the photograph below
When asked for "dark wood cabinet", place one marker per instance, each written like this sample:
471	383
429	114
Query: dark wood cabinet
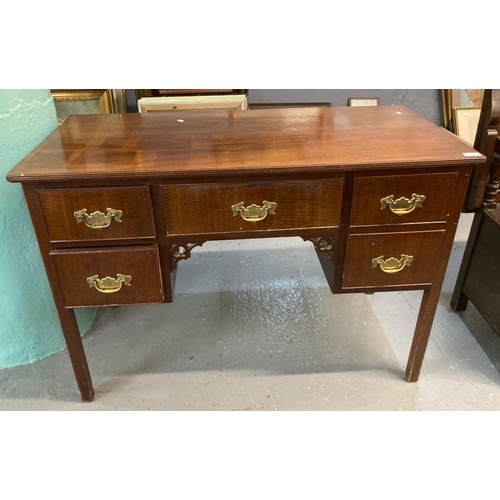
119	201
479	276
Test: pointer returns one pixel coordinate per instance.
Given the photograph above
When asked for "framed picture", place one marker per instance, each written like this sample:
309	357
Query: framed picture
78	102
119	100
466	120
459	98
156	104
140	93
363	101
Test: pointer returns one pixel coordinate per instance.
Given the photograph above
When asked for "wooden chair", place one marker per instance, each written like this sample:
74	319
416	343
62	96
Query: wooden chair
479	276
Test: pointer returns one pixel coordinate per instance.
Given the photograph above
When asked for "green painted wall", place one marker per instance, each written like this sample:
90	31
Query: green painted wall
29	326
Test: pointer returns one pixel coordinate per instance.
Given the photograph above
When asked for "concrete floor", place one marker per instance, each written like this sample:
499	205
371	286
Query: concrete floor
254	327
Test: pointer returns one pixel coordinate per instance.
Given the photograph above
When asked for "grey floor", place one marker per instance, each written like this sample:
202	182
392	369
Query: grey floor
254	327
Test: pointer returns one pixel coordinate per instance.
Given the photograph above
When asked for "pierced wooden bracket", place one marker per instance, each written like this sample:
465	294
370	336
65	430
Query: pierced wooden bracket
323	244
181	251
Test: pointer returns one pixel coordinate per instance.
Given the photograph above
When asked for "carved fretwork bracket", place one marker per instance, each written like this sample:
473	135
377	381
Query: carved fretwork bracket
323	244
181	251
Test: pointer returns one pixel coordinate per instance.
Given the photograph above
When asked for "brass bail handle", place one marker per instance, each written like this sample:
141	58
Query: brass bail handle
254	213
392	265
98	220
402	205
108	284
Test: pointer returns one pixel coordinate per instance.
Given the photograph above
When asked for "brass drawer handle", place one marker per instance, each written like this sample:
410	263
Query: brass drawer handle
254	213
108	284
392	265
402	205
98	220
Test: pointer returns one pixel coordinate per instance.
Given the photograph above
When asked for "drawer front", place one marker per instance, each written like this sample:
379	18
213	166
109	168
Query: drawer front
133	272
60	205
216	208
369	209
387	259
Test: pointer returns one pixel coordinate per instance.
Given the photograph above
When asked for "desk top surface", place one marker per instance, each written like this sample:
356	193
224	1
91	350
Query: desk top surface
210	143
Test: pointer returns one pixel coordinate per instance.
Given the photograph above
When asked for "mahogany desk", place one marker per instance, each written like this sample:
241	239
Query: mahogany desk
117	201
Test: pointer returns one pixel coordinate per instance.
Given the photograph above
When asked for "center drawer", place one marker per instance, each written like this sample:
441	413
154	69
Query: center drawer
109	276
255	206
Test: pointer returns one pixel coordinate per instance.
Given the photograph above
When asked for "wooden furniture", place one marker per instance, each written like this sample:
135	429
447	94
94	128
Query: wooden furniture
118	201
479	276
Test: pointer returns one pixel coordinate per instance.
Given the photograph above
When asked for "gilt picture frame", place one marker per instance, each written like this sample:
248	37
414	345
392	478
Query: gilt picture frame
82	101
458	98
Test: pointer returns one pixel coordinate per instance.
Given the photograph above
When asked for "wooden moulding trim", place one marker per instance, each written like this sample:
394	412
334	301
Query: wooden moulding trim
242	171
